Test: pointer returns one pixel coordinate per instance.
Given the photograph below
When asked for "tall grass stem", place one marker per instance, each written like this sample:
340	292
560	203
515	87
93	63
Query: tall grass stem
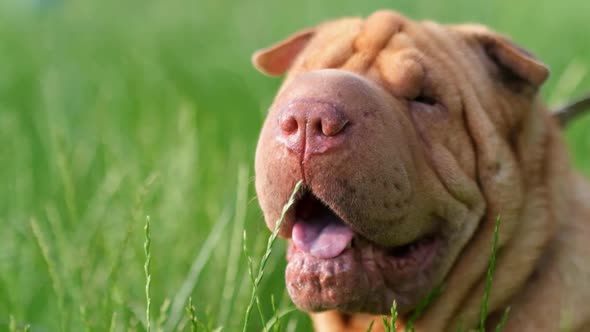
147	270
489	277
267	253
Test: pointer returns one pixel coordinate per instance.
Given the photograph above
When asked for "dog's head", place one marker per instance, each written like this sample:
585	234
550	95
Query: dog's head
403	133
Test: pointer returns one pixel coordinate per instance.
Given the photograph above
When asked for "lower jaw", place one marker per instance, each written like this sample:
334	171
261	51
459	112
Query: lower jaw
316	284
361	279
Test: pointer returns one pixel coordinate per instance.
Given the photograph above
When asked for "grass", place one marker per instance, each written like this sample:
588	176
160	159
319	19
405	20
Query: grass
147	245
113	111
489	278
264	260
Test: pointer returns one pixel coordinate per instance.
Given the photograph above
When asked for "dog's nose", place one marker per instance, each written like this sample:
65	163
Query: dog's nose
312	127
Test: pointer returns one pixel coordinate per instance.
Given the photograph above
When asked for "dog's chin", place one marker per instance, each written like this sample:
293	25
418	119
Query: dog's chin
331	267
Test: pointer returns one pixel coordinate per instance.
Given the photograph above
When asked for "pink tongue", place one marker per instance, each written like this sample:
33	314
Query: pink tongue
324	237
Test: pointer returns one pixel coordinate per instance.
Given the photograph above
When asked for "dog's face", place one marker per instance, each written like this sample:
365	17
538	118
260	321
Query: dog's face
403	135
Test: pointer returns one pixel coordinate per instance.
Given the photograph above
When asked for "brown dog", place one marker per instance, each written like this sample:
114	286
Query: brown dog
411	139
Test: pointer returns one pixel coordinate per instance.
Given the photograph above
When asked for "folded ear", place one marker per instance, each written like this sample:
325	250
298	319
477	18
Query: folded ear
515	64
276	59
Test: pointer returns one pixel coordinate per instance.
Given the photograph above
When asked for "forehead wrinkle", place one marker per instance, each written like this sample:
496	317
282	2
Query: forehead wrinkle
452	59
402	71
375	34
474	72
473	75
377	30
332	46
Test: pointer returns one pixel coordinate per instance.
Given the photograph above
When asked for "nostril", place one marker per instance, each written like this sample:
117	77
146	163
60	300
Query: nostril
289	125
332	127
317	126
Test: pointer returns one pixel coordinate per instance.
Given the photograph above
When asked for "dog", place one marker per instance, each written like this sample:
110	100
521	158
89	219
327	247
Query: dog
412	140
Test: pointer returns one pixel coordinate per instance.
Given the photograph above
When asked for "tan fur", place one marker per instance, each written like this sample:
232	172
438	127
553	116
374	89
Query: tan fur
495	152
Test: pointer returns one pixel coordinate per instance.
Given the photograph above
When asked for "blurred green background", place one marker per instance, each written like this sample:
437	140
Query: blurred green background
113	111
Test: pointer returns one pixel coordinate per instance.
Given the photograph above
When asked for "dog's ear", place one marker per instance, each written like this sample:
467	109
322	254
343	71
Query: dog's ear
515	65
276	59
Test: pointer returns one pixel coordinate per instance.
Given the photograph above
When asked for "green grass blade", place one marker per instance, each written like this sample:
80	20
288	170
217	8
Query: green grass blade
252	276
277	327
267	253
385	324
192	277
503	320
275	321
11	323
51	268
147	270
192	316
422	305
113	325
163	315
229	289
489	277
393	313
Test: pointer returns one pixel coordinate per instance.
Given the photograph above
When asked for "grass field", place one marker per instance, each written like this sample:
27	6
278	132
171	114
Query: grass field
113	112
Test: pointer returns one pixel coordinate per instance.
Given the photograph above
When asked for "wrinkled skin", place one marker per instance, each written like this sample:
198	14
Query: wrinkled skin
411	138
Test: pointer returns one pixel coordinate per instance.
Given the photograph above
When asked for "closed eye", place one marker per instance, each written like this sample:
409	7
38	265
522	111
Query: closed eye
423	103
423	99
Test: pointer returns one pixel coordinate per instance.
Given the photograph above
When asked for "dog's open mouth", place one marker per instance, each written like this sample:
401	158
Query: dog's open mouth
333	267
